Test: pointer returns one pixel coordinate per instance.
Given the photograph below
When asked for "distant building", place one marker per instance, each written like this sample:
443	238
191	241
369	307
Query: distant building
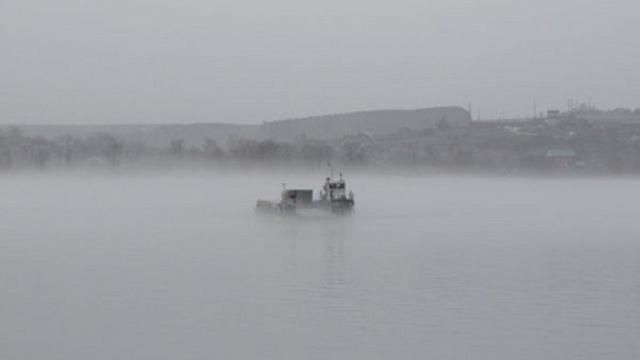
553	114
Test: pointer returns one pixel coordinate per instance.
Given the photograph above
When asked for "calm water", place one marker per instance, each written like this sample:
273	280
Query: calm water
179	267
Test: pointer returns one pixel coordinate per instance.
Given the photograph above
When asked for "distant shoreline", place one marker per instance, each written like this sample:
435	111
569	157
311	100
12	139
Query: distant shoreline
437	140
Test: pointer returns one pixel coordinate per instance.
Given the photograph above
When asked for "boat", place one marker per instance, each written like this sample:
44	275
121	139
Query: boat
333	199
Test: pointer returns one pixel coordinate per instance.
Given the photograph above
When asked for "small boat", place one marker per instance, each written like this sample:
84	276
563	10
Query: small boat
333	198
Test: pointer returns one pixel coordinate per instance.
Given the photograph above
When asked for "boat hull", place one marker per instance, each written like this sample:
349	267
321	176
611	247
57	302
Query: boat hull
337	207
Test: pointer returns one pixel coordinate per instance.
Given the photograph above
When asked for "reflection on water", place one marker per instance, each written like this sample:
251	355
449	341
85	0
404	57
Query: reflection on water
334	266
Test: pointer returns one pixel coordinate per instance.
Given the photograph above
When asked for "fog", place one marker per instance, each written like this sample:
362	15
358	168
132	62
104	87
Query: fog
141	61
156	157
164	266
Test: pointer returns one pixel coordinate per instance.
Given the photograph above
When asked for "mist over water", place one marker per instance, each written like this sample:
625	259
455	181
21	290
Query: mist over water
180	267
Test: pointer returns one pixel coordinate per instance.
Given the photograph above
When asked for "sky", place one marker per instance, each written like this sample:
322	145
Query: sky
241	61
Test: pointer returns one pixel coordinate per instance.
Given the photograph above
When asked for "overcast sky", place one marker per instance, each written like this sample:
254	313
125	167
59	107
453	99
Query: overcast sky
148	61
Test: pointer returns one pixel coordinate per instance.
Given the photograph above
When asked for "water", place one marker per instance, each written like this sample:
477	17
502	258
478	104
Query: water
180	267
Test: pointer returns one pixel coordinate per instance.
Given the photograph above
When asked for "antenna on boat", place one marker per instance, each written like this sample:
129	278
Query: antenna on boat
331	168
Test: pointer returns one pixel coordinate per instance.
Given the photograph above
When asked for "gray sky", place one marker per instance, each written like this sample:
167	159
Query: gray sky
147	61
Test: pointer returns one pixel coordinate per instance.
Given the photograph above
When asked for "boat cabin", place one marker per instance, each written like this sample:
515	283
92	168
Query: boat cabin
297	196
334	189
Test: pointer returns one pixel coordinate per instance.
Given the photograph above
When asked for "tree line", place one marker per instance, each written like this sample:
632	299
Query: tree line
572	144
102	149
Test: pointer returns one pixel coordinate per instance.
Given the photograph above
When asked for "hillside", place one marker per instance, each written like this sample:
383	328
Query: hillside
378	123
326	127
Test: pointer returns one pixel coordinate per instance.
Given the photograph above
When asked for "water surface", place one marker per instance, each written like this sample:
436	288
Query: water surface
180	267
